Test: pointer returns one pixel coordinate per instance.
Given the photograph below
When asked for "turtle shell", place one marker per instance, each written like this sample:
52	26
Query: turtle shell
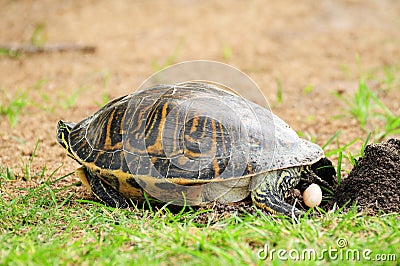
188	133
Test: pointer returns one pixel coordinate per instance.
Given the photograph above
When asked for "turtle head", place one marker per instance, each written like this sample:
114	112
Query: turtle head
63	130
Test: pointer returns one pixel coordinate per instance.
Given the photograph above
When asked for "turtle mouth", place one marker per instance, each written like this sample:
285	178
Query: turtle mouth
60	134
63	130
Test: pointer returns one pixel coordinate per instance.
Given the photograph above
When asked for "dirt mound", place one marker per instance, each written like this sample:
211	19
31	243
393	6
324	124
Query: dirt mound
374	184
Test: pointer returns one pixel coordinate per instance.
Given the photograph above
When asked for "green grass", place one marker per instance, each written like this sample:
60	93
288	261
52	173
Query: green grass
359	105
366	105
279	91
105	98
390	120
26	166
387	76
342	152
308	89
170	58
370	111
37	38
391	81
44	225
11	106
9	53
39	228
6	174
227	52
48	103
341	148
68	100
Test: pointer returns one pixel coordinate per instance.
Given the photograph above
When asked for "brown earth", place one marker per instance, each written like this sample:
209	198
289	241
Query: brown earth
298	43
374	184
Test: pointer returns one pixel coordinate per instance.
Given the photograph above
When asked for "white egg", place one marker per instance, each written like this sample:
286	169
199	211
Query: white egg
312	196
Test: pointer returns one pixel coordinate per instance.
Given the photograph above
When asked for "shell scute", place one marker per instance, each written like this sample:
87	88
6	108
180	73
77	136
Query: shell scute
191	131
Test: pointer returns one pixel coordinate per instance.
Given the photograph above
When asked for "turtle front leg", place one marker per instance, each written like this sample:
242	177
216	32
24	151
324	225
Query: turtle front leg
101	190
268	191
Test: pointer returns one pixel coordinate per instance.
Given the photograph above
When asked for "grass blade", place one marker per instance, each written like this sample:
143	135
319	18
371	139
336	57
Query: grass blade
331	139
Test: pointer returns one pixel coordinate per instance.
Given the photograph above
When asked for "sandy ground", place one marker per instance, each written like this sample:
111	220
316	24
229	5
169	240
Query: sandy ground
299	43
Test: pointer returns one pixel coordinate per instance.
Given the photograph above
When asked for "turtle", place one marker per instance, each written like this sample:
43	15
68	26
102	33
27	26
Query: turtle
189	143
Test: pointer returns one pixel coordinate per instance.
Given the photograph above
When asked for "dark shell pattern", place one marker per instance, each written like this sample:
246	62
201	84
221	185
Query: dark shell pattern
192	131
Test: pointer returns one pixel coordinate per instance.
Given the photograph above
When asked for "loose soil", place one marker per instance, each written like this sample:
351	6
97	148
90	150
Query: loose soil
374	183
285	46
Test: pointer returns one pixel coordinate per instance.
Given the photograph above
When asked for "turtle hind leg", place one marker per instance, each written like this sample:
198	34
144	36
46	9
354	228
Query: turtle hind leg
272	202
268	191
102	190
